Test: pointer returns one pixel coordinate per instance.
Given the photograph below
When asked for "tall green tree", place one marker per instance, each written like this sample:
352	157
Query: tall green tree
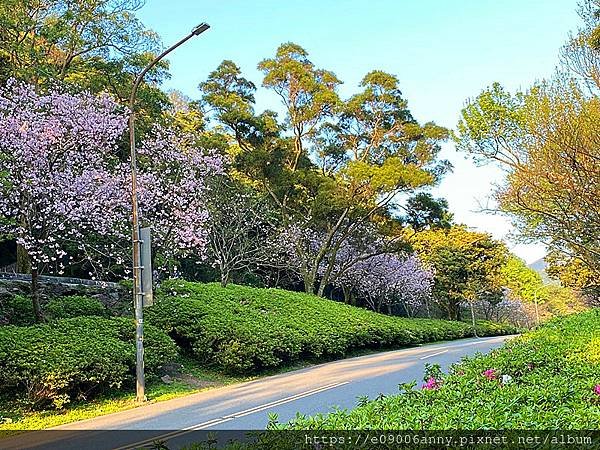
467	267
332	165
45	40
546	140
307	93
425	212
525	284
551	157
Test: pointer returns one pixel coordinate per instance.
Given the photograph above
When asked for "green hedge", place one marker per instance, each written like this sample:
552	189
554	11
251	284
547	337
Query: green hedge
241	329
17	310
554	384
75	358
74	306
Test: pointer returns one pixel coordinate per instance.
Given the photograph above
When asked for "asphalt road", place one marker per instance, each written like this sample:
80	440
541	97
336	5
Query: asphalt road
244	406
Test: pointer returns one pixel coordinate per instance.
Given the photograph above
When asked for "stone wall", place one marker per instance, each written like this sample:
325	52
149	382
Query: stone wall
113	295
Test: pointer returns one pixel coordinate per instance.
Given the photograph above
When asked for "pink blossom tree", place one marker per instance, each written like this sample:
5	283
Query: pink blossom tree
64	194
366	265
55	150
172	189
390	279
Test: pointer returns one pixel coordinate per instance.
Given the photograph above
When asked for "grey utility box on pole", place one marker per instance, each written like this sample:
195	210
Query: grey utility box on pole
146	260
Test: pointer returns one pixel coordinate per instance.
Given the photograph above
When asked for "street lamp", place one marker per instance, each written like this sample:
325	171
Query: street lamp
138	293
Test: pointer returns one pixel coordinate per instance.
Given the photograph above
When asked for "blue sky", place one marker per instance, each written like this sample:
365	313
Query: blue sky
442	51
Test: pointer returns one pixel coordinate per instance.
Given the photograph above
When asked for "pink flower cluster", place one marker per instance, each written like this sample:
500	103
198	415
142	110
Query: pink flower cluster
64	186
490	374
597	389
431	384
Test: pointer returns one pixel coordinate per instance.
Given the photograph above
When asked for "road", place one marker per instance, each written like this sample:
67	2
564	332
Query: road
244	406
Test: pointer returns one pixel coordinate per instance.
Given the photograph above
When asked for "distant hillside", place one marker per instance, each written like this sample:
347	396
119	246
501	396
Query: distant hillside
540	267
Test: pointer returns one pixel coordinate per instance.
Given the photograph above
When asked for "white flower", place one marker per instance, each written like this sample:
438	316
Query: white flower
506	379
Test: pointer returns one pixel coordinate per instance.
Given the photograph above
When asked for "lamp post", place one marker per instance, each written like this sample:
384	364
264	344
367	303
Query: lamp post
138	294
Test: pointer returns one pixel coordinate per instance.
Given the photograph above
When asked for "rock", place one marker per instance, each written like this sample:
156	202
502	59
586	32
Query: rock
166	379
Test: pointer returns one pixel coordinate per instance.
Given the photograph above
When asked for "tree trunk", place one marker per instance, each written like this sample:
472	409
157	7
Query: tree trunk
389	309
35	296
321	289
346	292
473	319
309	283
309	286
224	278
427	308
453	310
23	261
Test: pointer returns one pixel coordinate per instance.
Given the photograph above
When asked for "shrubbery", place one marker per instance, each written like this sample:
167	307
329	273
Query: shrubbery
16	310
547	379
75	358
242	329
74	306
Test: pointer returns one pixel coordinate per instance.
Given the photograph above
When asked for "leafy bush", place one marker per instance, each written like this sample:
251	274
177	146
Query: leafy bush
241	329
74	306
547	379
16	310
75	358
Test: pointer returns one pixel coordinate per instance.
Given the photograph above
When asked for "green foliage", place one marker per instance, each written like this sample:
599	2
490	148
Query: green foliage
244	329
553	373
425	212
42	41
17	310
562	300
74	306
525	283
544	140
467	266
309	92
75	358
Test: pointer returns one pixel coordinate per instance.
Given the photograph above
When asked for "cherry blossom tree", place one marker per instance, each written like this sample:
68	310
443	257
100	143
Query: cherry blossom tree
238	233
173	194
390	279
55	186
64	194
298	246
367	266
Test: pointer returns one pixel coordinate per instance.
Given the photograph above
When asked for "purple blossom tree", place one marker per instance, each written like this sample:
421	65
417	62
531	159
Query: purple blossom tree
64	194
54	184
238	233
390	279
364	266
172	189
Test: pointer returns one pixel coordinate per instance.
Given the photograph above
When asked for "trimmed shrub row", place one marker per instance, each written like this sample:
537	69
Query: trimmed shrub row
242	329
75	358
18	310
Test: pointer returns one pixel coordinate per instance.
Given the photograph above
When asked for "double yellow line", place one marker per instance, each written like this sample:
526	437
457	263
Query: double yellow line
229	417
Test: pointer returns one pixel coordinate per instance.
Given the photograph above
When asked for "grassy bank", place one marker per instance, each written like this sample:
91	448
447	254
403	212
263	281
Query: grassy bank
546	379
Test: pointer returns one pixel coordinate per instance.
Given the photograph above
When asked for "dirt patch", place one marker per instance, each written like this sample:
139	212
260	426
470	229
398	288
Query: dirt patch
195	382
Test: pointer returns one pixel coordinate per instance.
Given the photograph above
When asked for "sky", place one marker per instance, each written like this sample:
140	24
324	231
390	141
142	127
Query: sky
442	51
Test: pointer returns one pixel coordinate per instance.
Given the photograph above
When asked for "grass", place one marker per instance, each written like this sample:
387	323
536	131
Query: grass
17	417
